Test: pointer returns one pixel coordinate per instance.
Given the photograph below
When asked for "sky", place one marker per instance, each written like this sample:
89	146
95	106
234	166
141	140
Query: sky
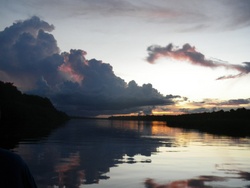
95	57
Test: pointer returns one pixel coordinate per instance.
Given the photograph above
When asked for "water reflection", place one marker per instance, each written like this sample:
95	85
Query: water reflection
197	182
84	152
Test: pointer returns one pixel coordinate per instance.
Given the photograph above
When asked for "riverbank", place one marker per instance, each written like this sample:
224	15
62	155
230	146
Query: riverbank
231	123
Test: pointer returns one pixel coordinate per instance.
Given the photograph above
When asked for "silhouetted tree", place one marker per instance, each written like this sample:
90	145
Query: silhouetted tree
23	108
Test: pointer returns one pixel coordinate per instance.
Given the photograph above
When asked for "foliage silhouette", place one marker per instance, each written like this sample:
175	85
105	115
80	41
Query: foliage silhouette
23	115
232	123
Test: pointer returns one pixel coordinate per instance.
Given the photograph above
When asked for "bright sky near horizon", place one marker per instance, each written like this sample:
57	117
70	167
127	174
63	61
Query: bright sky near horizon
210	40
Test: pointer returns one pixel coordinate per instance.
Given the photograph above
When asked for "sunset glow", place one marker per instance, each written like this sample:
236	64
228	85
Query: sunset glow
129	57
70	73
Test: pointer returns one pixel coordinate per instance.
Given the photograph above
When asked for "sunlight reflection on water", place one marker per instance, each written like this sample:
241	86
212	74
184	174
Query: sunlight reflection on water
103	153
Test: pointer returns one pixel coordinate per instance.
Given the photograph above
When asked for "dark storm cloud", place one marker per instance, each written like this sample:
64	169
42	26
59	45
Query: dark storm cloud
30	57
31	26
92	87
189	54
25	50
106	93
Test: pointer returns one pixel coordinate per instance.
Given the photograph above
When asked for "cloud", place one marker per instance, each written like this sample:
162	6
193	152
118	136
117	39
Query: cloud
199	181
25	51
243	69
73	65
199	15
238	13
189	54
32	60
107	95
234	102
213	14
210	105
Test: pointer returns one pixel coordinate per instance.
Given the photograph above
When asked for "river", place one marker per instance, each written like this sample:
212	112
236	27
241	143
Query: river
135	154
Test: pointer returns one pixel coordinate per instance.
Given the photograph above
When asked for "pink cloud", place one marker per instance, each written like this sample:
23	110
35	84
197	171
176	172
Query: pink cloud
70	74
189	54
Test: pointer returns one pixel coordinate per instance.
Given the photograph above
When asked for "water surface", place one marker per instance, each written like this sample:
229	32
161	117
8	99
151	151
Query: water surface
136	154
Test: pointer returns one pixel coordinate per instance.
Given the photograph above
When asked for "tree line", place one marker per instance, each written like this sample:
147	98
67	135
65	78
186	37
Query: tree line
25	116
23	108
232	122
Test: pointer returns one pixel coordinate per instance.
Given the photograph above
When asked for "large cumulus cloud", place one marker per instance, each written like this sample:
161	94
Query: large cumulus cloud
27	52
92	87
30	57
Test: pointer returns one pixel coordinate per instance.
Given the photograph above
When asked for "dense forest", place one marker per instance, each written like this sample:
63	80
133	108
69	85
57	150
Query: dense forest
233	122
23	108
23	115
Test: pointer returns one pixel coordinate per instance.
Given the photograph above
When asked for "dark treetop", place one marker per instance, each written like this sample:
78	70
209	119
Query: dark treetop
23	116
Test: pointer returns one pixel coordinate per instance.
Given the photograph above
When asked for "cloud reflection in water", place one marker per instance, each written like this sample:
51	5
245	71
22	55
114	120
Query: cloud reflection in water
85	151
